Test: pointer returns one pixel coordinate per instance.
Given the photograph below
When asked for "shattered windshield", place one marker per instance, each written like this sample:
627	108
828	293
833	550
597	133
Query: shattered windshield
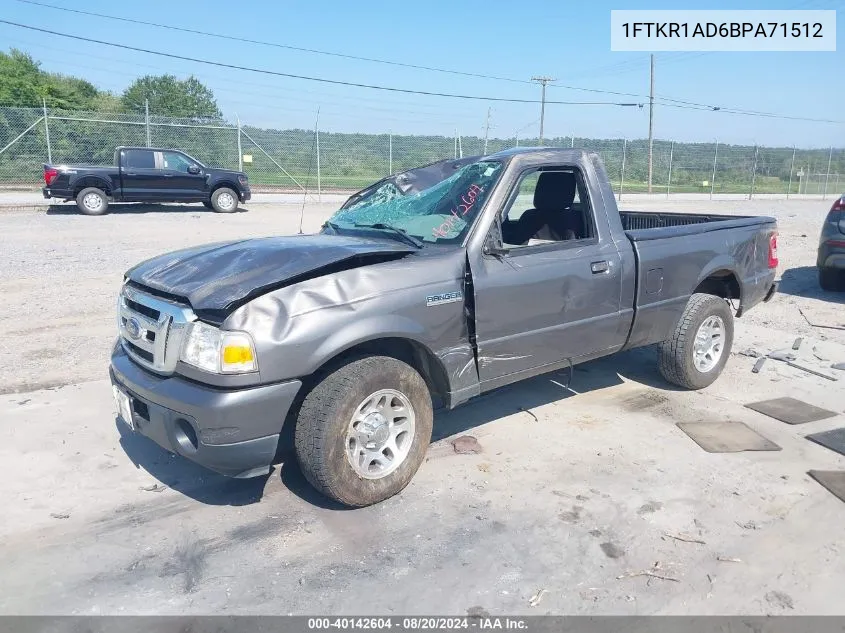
439	214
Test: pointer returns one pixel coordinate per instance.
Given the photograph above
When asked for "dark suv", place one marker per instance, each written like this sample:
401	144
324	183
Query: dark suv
831	257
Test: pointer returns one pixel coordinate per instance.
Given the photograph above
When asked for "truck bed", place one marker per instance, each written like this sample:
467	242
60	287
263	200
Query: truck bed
645	225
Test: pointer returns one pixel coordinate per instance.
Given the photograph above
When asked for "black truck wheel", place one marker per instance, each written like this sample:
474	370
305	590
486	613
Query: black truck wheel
831	279
700	345
363	431
224	200
92	201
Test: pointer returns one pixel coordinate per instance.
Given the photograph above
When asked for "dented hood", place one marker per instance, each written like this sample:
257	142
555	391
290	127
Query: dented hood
217	278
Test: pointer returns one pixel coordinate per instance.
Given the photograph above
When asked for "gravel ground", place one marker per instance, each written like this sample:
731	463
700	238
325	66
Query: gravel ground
575	492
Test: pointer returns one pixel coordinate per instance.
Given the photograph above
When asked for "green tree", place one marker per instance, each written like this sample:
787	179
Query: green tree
24	84
169	96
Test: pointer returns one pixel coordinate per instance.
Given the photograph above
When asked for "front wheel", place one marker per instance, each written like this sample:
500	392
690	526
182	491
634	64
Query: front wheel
224	200
699	347
92	201
363	431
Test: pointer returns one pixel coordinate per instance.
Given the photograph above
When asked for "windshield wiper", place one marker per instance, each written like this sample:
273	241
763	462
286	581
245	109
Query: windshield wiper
402	233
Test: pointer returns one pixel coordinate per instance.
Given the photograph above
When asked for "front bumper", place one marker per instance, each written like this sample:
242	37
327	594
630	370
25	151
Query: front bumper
232	432
246	194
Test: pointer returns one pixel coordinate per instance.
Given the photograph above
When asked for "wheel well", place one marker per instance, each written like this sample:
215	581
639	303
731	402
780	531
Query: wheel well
415	354
722	283
228	185
88	181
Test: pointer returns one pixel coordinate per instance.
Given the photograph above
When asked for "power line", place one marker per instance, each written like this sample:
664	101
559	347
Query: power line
305	77
274	44
316	51
680	103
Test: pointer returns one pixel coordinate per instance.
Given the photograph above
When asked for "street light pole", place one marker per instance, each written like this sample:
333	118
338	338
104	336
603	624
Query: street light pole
542	80
651	126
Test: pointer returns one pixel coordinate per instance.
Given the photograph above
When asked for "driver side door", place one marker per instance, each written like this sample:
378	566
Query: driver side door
543	304
178	180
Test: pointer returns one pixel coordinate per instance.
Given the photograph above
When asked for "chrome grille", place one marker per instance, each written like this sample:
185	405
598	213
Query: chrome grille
151	329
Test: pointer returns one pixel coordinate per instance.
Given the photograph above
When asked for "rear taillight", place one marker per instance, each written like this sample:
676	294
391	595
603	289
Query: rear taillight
773	250
50	175
839	205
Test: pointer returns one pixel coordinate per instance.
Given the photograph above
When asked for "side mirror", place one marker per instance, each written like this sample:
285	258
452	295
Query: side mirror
193	169
493	246
495	250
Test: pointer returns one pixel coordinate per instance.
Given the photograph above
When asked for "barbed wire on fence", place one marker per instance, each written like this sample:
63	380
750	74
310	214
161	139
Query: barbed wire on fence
284	158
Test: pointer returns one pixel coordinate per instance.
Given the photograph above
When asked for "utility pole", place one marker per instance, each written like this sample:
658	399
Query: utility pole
147	120
486	131
651	126
543	80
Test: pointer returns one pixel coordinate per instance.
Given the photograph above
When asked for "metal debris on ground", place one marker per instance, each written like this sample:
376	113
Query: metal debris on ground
153	488
753	353
839	366
812	371
466	444
537	597
797	343
748	525
60	515
758	365
728	559
782	356
828	327
684	539
531	413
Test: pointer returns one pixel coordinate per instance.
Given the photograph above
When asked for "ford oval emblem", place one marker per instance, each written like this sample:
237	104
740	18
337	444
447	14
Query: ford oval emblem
133	328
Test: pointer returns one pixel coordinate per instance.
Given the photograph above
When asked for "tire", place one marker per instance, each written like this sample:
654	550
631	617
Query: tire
324	434
87	201
224	200
831	279
678	358
207	204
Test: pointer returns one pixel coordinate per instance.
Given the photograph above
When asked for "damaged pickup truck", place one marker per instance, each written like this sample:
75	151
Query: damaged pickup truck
421	292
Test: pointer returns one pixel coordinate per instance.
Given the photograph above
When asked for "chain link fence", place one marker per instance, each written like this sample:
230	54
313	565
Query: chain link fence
323	161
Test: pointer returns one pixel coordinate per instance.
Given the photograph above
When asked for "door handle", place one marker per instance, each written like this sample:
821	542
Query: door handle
599	267
168	175
129	173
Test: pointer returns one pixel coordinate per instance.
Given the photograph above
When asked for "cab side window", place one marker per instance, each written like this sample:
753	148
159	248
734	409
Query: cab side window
548	205
139	159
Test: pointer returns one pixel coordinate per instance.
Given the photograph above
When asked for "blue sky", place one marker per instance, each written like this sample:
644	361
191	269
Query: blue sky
565	39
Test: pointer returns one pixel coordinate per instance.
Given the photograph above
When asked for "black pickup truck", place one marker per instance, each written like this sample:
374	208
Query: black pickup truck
146	174
422	292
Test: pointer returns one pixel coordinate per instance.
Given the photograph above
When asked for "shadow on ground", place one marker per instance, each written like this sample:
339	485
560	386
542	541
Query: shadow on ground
193	481
137	208
185	476
803	281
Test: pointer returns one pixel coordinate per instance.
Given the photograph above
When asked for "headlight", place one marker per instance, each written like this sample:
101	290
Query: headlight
218	351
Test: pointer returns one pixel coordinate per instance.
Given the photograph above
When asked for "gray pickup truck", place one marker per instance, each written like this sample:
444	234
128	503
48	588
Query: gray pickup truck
427	289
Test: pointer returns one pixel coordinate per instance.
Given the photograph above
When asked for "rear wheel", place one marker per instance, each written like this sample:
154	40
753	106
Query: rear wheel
224	200
831	279
700	345
363	431
92	201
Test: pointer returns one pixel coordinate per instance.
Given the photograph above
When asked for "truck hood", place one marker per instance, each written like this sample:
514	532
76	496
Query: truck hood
217	278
